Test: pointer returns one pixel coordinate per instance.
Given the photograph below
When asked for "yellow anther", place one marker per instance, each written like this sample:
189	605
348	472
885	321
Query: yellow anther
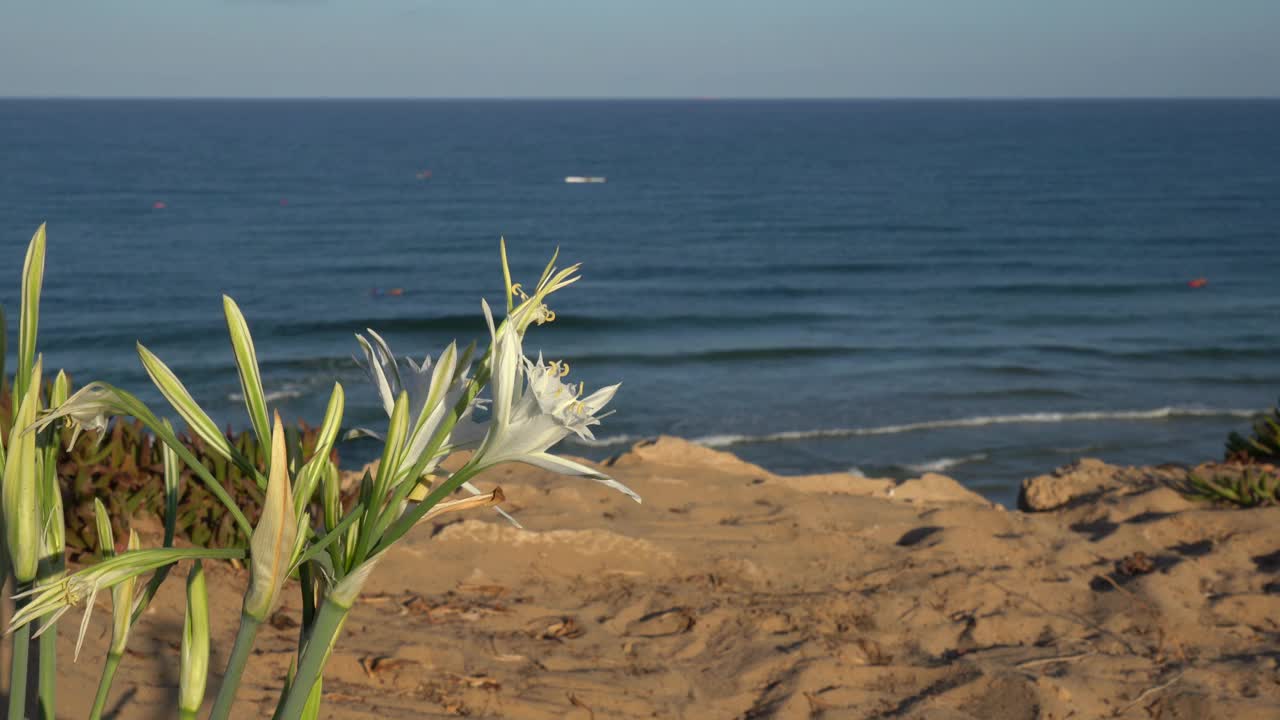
548	315
69	594
558	368
517	290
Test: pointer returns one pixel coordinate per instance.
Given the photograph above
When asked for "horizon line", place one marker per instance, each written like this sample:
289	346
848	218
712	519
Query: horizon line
652	98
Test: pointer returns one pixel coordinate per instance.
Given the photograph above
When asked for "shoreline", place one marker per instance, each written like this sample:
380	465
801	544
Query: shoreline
735	592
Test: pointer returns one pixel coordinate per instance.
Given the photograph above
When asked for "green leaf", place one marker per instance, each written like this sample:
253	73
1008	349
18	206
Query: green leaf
32	281
506	274
4	353
318	546
102	522
172	474
196	418
313	472
57	597
247	362
101	399
332	420
392	452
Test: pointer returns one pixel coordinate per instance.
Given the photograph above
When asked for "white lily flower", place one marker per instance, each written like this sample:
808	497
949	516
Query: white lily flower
533	409
433	392
53	599
533	308
90	408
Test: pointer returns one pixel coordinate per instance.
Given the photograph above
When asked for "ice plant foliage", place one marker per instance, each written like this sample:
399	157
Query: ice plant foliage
305	530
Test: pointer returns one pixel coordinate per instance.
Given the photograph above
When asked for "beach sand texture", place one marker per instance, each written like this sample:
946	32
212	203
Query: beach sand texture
736	593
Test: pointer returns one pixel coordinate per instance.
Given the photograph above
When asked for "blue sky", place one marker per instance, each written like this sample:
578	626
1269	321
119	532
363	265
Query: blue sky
625	48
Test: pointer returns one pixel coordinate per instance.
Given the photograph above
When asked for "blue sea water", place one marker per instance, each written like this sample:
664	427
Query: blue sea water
989	289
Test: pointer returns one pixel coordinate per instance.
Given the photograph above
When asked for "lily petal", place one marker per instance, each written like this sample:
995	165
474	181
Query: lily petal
555	464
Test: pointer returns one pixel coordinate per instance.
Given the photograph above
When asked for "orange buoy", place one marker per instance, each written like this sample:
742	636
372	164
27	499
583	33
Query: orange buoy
396	292
1198	283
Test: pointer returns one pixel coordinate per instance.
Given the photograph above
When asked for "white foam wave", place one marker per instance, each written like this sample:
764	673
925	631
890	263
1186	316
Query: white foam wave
1162	413
607	441
272	395
945	463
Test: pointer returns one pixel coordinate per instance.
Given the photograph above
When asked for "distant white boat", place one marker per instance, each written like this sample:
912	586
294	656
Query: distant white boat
584	179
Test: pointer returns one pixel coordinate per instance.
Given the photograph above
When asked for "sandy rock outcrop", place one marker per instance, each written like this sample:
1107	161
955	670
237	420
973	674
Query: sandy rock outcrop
1087	476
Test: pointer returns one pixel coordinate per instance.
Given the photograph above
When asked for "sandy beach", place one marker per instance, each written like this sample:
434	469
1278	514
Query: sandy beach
736	593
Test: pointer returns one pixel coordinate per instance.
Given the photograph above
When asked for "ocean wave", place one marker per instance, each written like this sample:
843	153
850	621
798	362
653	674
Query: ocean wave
1163	413
1066	289
285	393
608	441
1027	392
943	463
714	356
984	350
468	324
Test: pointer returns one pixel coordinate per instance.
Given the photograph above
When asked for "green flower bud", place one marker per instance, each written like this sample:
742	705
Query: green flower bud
195	644
21	486
122	607
271	548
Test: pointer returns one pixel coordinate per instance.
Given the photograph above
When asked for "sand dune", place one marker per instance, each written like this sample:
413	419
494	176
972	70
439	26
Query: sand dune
735	593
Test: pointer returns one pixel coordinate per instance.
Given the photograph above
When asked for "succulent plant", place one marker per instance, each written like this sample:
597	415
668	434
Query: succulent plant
1246	486
125	470
1263	445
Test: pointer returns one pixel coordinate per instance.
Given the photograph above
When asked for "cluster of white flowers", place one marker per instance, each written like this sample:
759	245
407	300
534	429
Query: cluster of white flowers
434	408
531	408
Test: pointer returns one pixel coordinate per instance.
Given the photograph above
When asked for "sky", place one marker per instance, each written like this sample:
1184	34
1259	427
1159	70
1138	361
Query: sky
640	48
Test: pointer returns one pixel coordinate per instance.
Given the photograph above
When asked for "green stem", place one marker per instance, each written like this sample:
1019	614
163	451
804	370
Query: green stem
411	516
390	511
48	672
18	672
245	638
104	686
324	634
186	714
308	595
312	709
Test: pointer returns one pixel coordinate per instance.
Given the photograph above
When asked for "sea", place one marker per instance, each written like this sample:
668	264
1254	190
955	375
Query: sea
987	289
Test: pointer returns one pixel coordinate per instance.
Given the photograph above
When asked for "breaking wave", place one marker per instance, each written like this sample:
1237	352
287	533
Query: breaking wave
1164	413
944	463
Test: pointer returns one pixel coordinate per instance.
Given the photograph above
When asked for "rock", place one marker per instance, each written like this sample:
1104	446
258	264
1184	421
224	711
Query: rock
670	451
935	488
835	484
351	478
1049	492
